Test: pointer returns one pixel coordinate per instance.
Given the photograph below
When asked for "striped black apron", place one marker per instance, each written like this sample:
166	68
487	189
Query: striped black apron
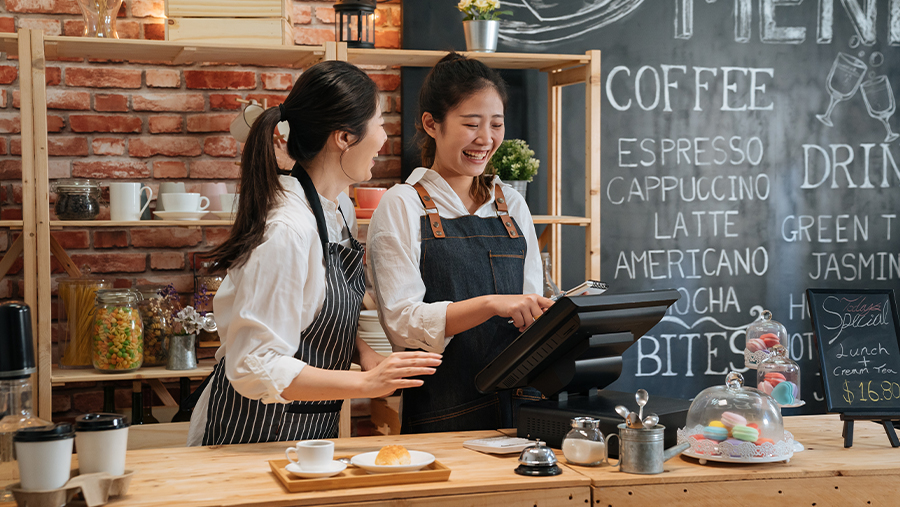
328	343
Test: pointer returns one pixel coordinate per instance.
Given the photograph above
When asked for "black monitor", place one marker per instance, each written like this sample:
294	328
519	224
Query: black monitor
577	344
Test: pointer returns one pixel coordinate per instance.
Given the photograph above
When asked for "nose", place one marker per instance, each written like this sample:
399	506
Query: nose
483	136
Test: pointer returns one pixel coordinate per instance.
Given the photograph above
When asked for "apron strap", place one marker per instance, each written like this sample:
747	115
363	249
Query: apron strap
503	212
313	197
434	219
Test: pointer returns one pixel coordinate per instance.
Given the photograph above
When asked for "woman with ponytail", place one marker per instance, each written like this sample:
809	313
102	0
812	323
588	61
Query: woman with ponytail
454	256
288	307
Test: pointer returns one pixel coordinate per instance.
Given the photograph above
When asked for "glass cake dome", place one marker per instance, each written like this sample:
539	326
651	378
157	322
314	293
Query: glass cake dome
763	334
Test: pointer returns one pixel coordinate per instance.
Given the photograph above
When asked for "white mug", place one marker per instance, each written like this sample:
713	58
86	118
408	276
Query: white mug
312	455
125	201
168	187
189	202
240	126
229	202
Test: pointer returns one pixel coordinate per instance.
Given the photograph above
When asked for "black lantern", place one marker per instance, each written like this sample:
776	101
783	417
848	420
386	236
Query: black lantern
355	22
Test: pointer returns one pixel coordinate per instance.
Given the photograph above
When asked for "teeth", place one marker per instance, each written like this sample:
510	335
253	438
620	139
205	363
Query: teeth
476	154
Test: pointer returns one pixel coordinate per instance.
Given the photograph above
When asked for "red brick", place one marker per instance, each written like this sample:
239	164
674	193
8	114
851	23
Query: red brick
220	146
386	82
385	100
216	169
269	99
8	74
72	239
105	123
6	289
55	123
166	260
48	26
113	262
398	147
175	237
17	193
155	31
325	14
215	236
43	6
68	99
396	16
53	76
2	152
108	146
110	239
166	123
103	77
10	123
110	102
61	403
220	79
226	101
277	80
209	122
10	169
67	146
382	17
15	146
170	146
312	36
182	283
60	168
3	97
163	78
88	401
12	214
148	8
387	39
131	169
393	128
128	29
169	169
73	28
386	169
302	14
7	24
385	148
168	102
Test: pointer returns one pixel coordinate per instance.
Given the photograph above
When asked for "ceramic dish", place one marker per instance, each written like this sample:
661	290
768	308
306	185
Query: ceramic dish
366	461
369	314
364	212
180	215
334	468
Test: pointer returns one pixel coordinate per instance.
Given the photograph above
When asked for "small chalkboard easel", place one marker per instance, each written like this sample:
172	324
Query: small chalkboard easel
858	337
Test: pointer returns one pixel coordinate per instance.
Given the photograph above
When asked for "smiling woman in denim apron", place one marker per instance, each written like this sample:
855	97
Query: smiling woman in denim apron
289	306
454	256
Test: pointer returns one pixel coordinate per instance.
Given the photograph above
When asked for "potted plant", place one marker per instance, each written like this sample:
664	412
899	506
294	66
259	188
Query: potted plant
188	322
514	163
481	24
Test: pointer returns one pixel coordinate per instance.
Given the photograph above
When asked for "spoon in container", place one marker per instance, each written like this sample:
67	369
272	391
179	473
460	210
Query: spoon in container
634	422
623	411
641	397
651	420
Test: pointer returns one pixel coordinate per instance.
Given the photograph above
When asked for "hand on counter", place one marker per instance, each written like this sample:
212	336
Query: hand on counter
391	373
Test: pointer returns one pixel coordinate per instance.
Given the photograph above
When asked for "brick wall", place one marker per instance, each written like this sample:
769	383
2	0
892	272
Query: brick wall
151	123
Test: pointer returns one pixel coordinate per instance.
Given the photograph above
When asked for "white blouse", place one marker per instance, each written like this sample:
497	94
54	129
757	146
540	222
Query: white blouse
393	249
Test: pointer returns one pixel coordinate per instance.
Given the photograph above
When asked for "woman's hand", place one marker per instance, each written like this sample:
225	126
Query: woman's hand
369	359
390	374
523	310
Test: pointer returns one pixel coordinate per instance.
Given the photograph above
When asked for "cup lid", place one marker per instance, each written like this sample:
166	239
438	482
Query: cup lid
100	422
58	431
16	348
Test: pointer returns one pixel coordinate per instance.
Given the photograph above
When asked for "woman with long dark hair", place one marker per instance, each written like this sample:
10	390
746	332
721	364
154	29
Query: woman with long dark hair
288	308
471	240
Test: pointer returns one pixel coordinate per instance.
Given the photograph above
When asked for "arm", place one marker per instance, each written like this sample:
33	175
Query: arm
523	310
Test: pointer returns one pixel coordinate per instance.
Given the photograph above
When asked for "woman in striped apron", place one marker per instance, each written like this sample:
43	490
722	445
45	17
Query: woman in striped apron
289	306
472	241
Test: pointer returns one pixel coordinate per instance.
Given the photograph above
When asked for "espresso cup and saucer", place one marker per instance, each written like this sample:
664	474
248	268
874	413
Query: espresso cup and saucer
314	458
183	206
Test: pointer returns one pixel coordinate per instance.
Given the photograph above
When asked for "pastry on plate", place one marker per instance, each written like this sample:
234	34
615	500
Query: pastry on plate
392	455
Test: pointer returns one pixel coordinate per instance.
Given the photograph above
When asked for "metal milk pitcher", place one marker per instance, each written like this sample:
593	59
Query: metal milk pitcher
641	449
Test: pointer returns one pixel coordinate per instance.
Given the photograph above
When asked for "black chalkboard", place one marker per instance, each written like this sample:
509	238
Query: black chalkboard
857	333
723	173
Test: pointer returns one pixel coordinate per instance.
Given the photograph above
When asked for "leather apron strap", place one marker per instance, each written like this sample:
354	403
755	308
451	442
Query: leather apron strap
434	219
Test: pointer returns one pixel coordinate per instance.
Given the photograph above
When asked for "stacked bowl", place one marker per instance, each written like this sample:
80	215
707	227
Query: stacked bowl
372	333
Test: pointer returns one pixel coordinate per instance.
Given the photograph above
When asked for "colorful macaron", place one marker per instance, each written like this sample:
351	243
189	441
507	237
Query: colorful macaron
735	453
784	393
730	420
771	339
765	387
774	378
715	431
745	433
755	345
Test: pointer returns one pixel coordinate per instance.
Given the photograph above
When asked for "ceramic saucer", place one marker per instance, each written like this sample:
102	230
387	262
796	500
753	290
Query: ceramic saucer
224	215
366	461
334	468
180	215
364	212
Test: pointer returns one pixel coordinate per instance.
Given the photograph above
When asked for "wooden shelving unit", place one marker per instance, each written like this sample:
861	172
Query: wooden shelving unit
60	224
61	376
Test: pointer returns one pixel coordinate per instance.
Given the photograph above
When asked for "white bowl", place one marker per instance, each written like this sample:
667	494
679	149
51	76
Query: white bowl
368	315
368	326
366	461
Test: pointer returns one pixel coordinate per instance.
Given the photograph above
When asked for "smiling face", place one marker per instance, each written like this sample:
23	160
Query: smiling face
359	159
468	136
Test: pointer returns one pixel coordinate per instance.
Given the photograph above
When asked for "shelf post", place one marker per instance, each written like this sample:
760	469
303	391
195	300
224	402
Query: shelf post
592	94
554	173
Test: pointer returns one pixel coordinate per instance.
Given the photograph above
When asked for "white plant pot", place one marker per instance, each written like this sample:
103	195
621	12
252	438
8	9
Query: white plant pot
481	36
521	186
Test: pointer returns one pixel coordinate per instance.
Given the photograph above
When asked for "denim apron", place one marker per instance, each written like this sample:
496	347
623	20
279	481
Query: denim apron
463	258
328	342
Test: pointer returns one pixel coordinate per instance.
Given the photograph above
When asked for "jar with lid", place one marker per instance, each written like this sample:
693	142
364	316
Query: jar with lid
156	316
76	319
76	199
763	334
779	377
118	337
584	444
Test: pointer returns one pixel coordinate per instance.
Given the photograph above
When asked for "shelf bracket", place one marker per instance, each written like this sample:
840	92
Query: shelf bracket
60	253
11	255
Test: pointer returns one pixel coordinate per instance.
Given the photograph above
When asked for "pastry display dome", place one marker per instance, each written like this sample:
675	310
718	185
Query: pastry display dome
763	334
736	423
779	377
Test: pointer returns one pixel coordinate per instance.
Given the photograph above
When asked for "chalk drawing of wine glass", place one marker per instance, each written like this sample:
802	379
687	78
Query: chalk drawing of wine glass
846	74
880	103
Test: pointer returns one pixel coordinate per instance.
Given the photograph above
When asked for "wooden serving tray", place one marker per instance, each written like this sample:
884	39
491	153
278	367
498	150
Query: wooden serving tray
355	477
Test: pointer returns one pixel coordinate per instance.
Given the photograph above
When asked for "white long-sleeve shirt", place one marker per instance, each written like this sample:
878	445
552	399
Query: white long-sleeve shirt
393	250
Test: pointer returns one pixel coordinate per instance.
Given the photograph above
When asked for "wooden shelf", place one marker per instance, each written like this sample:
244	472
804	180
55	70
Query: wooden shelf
61	376
538	220
423	58
60	224
179	53
12	224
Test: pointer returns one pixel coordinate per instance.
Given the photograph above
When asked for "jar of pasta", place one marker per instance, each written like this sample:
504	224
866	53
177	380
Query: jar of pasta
75	321
156	315
118	337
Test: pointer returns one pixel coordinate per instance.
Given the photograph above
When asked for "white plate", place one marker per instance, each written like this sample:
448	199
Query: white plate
366	461
334	468
793	405
224	215
180	215
369	314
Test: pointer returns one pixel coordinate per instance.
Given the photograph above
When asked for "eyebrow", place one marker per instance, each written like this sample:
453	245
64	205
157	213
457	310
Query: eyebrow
479	116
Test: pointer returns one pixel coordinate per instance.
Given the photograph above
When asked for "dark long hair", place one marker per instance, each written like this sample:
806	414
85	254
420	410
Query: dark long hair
329	96
454	79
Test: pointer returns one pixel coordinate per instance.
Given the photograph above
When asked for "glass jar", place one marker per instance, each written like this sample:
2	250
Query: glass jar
779	377
118	338
76	319
762	335
156	316
76	199
584	444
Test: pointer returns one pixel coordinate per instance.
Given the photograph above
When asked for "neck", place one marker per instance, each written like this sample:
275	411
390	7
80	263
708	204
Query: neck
461	184
327	175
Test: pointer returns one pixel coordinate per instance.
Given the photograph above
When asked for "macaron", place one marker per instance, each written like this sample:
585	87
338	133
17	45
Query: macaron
730	420
771	339
745	433
765	387
774	378
735	453
762	441
717	433
784	393
755	345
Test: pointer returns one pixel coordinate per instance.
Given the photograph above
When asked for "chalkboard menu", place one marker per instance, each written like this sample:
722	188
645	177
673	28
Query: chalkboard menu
749	151
857	333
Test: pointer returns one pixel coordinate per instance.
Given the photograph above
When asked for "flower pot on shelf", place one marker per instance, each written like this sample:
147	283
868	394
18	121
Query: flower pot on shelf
182	352
521	186
481	35
100	17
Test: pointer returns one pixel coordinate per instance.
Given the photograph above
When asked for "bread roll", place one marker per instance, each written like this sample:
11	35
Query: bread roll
392	455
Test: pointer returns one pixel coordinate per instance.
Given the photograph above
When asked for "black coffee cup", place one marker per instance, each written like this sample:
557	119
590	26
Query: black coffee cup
16	347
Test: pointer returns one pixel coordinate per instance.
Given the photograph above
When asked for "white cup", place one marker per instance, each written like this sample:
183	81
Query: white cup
240	126
101	441
168	187
229	202
125	201
312	455
184	202
46	462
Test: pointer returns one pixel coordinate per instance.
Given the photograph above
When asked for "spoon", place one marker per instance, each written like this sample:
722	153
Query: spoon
633	421
345	461
641	397
623	411
651	420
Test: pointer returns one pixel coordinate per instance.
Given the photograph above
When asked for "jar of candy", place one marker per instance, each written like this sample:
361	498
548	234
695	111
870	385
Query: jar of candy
76	199
584	444
118	338
779	377
763	334
156	316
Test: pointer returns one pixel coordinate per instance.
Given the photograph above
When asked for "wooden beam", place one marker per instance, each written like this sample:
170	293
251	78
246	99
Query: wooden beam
9	258
552	235
567	77
592	94
60	253
162	392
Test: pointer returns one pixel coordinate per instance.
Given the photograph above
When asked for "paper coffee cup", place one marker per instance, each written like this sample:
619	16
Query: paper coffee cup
101	441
